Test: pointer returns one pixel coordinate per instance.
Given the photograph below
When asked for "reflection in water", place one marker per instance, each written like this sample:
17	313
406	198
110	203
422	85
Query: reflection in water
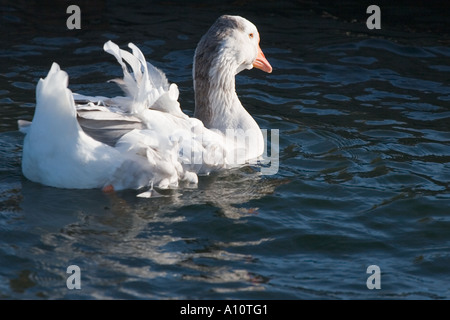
98	231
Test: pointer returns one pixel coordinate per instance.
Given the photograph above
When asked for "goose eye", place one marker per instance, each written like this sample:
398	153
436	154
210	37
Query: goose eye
251	35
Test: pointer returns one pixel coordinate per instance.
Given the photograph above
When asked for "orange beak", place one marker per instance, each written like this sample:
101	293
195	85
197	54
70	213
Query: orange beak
261	62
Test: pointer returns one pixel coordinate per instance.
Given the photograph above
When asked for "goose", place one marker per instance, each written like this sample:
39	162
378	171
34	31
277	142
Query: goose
144	139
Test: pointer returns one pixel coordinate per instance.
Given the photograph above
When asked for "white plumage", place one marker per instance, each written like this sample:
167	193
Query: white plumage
144	139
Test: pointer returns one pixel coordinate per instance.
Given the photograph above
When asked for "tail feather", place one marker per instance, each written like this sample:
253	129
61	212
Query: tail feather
113	49
136	85
147	86
158	77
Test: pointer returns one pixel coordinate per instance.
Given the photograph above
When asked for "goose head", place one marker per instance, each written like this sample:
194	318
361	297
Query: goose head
230	46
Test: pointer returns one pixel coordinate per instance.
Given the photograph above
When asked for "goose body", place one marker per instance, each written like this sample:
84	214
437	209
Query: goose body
144	139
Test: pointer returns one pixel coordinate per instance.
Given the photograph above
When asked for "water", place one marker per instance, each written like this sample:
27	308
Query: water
364	160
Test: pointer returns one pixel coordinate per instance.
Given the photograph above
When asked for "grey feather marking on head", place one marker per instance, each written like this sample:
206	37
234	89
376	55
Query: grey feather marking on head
205	53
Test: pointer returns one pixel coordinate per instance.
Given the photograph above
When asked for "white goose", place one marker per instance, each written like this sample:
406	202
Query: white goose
144	139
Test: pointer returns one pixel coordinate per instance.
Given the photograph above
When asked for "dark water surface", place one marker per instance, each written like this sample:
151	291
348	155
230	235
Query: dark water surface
364	159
